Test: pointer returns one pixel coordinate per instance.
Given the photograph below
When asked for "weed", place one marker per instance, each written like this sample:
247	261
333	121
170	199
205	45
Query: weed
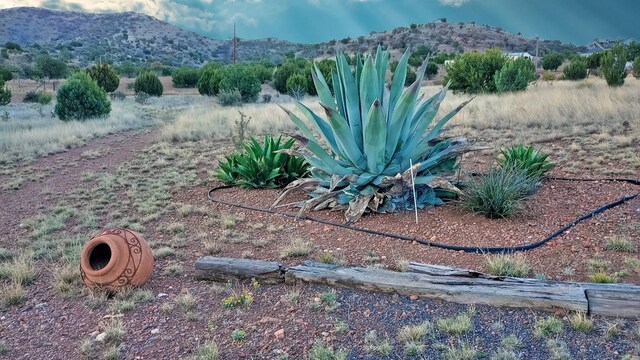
461	352
238	335
113	329
341	327
580	322
186	302
455	325
112	353
122	306
67	281
613	329
514	265
323	352
558	350
293	296
176	228
374	346
243	298
510	342
163	252
597	265
602	277
12	294
415	333
620	244
402	265
297	248
208	351
186	210
86	349
413	348
211	247
173	270
505	354
329	298
548	327
22	270
5	254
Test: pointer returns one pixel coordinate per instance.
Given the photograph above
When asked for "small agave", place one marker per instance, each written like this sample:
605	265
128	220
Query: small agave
370	136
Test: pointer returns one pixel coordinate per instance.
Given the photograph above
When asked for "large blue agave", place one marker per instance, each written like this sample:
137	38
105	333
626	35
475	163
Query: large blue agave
370	137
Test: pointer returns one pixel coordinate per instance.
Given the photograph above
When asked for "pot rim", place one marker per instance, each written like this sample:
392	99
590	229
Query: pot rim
91	245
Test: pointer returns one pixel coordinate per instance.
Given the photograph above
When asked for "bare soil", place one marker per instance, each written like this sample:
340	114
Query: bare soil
49	325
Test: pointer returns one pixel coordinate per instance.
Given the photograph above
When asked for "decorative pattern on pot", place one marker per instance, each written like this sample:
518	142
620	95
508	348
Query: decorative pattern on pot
116	258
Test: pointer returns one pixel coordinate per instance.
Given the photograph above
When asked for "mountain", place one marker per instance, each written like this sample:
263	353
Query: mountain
120	37
84	38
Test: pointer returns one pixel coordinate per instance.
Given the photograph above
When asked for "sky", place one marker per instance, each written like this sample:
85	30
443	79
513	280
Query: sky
310	21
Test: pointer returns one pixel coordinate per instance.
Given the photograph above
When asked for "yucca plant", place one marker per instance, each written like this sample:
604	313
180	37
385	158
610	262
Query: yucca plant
371	136
530	160
262	165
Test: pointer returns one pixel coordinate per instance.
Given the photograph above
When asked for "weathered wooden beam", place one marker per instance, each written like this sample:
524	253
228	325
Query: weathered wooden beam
224	269
621	302
534	294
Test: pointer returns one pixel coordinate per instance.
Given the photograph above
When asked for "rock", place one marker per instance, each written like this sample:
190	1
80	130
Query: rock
413	297
161	295
279	334
324	333
101	337
93	334
155	331
41	305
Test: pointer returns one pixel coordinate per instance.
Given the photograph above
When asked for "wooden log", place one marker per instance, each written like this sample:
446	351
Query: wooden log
613	300
224	269
533	294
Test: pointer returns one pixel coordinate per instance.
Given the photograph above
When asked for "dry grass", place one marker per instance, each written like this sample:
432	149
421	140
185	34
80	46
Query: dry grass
27	135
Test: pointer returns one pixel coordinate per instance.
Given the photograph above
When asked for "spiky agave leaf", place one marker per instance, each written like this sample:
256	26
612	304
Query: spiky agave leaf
372	133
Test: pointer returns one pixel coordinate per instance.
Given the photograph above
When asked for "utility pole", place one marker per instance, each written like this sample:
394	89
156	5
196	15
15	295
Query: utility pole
235	45
537	48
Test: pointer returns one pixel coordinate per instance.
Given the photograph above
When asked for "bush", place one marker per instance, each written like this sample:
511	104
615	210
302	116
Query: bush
12	46
263	73
499	192
185	77
209	81
5	94
230	97
5	74
105	76
613	66
148	83
576	70
241	78
266	98
44	98
636	67
474	72
80	98
515	75
552	61
291	67
262	166
548	76
297	86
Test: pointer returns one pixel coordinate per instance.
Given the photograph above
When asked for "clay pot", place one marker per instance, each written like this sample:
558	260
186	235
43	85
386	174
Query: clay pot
116	258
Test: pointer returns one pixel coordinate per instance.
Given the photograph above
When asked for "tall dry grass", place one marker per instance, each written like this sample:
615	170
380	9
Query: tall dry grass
564	108
28	134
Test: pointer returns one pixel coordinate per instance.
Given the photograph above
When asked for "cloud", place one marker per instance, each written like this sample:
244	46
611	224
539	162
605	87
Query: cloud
454	3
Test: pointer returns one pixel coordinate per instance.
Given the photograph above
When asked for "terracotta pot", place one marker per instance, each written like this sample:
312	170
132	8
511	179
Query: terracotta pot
116	258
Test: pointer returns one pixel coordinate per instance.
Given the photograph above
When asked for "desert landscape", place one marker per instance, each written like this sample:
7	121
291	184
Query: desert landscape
534	179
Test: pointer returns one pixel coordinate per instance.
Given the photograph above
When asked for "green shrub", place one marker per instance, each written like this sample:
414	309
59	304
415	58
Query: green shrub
185	77
117	95
148	83
230	97
241	78
5	74
576	70
552	61
613	66
515	75
80	98
499	193
44	98
5	94
291	67
548	76
208	83
263	73
262	166
297	86
142	97
12	46
530	160
105	76
636	67
474	72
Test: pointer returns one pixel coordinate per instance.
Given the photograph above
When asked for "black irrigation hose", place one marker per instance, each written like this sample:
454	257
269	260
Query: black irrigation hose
467	249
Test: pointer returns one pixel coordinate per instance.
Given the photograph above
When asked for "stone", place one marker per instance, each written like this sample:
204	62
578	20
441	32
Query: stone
279	334
101	337
155	331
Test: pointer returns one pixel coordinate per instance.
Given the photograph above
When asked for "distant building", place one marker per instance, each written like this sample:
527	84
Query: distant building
518	55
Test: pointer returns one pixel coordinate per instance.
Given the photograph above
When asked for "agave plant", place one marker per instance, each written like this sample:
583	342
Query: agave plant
375	142
262	165
528	159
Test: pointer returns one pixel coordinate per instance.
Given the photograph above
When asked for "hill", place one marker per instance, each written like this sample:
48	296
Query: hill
84	38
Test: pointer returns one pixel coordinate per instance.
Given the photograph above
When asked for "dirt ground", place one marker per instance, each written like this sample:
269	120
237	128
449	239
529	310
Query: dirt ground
159	189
